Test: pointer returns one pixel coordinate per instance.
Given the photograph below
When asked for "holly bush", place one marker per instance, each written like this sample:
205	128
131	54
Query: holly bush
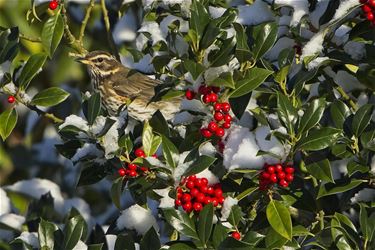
273	147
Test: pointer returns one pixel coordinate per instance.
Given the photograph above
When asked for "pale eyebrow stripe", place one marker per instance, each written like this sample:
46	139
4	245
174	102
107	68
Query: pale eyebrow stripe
103	55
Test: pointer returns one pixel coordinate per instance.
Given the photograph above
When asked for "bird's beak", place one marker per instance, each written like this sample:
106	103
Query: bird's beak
82	60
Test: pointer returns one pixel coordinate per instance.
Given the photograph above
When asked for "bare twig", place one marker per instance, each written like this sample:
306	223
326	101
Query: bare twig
347	97
85	20
72	41
108	29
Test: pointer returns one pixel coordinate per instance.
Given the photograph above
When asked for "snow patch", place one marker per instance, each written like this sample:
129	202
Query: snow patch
5	206
229	202
13	220
75	121
30	238
256	13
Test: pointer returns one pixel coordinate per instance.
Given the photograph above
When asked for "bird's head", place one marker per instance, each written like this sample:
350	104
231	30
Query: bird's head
100	63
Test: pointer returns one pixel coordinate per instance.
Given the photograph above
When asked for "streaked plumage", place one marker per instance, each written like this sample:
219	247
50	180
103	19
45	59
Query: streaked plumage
120	86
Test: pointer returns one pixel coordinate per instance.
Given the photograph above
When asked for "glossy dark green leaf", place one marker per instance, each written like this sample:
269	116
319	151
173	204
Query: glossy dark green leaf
8	120
224	80
187	245
340	150
286	111
274	240
363	221
330	189
209	36
150	141
9	43
339	112
223	55
194	68
91	108
243	53
91	174
181	222
252	238
319	139
235	215
354	167
124	242
265	36
50	97
312	115
46	234
150	240
73	231
233	244
279	218
170	152
220	233
253	78
205	223
52	32
362	119
116	192
300	230
31	68
199	19
199	165
321	170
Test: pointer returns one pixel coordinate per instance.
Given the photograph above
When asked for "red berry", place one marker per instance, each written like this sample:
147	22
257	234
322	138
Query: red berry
271	169
11	99
203	89
186	197
121	172
225	107
139	153
236	235
190	184
187	207
206	133
221	200
189	94
217	106
198	182
197	206
132	166
366	8
370	16
215	202
210	190
216	89
206	98
273	178
177	203
363	1
179	190
278	168
218	116
53	5
192	177
212	126
283	183
281	175
289	170
213	97
265	175
132	173
204	189
194	192
371	3
227	118
220	132
289	177
179	195
226	125
144	169
200	197
218	193
204	182
207	200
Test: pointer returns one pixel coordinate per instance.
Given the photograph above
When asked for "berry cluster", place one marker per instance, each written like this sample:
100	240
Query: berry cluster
193	193
368	8
273	174
53	4
132	170
221	117
11	99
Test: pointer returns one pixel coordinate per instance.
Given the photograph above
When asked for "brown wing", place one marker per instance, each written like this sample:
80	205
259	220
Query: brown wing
133	84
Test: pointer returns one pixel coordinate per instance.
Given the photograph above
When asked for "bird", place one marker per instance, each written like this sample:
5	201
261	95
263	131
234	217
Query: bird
120	86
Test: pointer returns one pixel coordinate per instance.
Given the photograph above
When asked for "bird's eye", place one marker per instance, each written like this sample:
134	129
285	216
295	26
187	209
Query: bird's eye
100	59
